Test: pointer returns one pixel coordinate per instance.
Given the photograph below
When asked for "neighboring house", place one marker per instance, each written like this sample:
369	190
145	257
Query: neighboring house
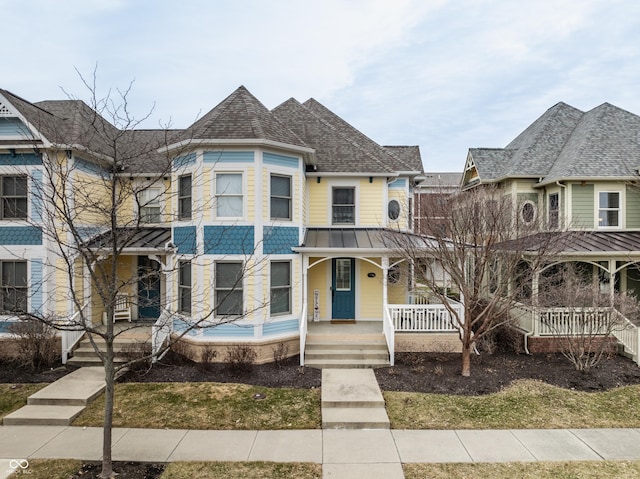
274	218
576	171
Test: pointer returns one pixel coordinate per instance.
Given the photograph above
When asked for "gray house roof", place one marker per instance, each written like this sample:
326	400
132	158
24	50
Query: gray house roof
566	143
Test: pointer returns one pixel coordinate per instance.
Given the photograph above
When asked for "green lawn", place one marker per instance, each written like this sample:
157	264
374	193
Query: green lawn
523	405
14	396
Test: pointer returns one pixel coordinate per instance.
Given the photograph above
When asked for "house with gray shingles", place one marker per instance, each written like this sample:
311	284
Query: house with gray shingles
575	171
255	224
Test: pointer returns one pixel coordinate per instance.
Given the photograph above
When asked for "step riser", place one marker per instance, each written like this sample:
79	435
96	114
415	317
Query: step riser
345	346
350	365
37	422
355	425
362	355
353	404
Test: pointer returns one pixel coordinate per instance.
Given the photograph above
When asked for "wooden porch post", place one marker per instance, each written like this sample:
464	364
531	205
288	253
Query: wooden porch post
612	281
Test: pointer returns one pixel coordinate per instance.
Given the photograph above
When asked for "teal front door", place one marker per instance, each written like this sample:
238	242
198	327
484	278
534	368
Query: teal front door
343	289
148	288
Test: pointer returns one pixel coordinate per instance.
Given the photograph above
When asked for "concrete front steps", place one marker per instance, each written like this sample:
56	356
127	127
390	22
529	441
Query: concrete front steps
59	403
351	399
85	355
359	345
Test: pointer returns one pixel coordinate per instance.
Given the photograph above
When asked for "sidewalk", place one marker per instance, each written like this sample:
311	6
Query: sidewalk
343	453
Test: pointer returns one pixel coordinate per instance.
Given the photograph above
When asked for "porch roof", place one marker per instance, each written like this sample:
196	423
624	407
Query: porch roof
592	243
134	239
372	240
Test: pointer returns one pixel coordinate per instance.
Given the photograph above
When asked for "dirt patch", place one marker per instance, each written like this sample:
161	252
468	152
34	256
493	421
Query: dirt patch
12	372
125	470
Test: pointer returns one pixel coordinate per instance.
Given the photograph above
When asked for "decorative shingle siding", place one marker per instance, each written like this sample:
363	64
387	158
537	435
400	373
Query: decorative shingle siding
20	235
185	160
228	156
35	285
582	205
89	167
280	239
21	159
231	239
36	196
280	327
229	330
184	237
281	160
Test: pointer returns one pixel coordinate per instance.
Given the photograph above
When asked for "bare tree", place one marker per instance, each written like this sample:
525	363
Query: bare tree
581	316
488	248
95	208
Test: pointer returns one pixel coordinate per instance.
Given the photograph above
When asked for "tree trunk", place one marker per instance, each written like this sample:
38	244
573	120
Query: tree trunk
466	360
109	376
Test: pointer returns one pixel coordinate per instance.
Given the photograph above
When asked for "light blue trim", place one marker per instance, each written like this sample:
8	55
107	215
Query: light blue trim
185	160
89	167
36	196
399	184
232	239
20	235
14	127
229	157
229	330
35	283
280	327
21	159
281	160
180	326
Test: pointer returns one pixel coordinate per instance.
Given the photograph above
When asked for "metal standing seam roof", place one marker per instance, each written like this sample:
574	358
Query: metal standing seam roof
576	243
360	238
134	238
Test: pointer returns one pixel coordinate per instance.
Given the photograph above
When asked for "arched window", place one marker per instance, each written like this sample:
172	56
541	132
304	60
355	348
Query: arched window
393	210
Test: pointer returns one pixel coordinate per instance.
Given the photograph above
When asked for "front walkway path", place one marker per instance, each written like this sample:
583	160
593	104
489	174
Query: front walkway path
344	453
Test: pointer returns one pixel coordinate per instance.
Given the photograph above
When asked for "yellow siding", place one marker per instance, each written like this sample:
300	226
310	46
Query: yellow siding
266	189
397	293
208	201
251	194
296	285
90	195
317	278
402	221
62	288
370	306
318	202
370	202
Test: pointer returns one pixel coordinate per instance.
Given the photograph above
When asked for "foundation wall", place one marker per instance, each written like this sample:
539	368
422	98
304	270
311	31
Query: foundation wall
555	345
428	343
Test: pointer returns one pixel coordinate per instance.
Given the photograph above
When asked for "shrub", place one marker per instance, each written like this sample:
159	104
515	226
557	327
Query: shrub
240	358
36	344
280	354
208	354
137	356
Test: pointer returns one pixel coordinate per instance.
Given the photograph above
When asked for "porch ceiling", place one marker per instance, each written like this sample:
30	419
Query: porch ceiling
134	239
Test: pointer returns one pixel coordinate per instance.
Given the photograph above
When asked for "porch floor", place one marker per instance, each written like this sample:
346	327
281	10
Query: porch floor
139	330
342	329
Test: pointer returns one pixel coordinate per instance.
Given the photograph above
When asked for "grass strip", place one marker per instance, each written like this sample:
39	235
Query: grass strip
14	396
207	406
48	469
242	470
525	404
526	470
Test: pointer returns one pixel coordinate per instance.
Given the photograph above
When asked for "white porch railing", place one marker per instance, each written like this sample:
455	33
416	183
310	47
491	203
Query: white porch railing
424	318
389	334
160	332
70	336
303	332
575	321
628	334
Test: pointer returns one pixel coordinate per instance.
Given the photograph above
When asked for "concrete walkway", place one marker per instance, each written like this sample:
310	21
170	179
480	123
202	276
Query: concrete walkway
344	453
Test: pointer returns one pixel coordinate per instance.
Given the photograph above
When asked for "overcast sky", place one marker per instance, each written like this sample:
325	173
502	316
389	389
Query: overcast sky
445	75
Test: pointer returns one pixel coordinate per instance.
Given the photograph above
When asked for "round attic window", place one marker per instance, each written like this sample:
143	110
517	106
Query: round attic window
393	210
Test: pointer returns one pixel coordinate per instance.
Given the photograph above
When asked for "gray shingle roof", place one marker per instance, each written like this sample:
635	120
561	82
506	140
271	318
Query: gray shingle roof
437	179
410	155
566	143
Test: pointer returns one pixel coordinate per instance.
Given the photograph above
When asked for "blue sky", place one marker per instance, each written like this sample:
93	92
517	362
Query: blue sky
445	75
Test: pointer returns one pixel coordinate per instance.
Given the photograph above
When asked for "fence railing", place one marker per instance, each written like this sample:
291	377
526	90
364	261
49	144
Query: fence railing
389	334
573	321
429	318
71	332
303	332
161	332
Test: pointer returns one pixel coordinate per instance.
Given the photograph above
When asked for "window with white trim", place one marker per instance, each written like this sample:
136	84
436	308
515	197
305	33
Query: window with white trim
149	205
229	195
609	209
184	287
13	191
343	206
280	287
280	197
228	288
528	212
13	275
184	197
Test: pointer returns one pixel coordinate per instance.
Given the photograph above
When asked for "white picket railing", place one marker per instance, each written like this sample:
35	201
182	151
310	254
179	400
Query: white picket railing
628	334
160	332
424	318
571	322
71	333
389	334
303	332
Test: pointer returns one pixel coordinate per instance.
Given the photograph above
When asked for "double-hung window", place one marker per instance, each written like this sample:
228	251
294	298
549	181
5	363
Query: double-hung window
14	286
13	191
608	209
184	197
229	195
228	288
280	197
554	210
343	206
149	205
280	287
184	286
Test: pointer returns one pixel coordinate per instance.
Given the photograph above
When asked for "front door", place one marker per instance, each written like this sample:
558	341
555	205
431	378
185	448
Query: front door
343	289
148	288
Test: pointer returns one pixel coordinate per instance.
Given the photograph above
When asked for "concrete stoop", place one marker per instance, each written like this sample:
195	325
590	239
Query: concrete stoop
59	403
351	399
353	353
85	355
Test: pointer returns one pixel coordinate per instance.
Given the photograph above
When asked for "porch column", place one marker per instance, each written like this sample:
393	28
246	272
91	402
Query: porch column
86	294
535	288
612	280
385	272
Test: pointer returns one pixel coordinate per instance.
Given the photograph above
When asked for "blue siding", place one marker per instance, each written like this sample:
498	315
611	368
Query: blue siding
281	160
228	239
5	326
280	239
36	196
180	326
20	235
186	160
14	127
89	167
398	184
35	284
184	237
280	327
228	156
20	159
229	329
